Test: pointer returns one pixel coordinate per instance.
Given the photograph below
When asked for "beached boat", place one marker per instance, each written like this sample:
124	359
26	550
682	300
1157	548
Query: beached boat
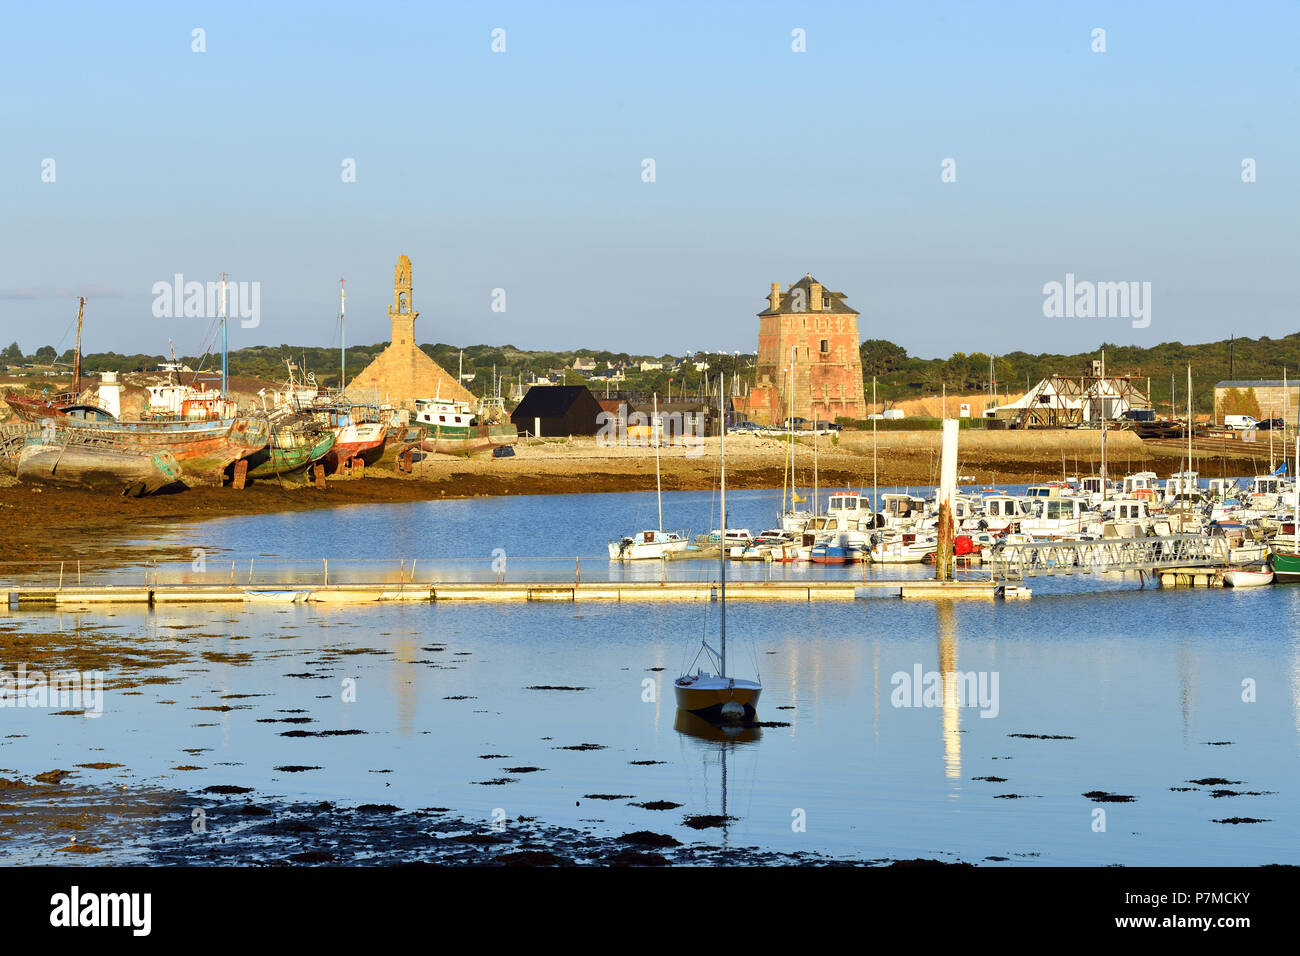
57	408
290	451
451	428
202	448
97	467
717	696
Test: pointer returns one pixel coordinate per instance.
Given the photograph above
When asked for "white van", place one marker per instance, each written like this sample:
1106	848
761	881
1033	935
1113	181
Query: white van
1239	422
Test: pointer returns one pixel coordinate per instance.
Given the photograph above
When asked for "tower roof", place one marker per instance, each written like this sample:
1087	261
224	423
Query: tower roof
786	306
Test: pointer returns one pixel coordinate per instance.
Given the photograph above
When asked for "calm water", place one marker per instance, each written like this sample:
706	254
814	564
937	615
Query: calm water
1142	681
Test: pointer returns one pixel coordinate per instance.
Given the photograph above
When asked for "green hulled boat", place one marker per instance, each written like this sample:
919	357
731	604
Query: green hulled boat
290	451
1286	562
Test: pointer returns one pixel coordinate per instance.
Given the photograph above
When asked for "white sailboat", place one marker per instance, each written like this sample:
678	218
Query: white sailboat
717	696
654	543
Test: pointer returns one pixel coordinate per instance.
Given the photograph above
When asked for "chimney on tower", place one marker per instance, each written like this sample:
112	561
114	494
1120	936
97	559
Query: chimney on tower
774	297
814	297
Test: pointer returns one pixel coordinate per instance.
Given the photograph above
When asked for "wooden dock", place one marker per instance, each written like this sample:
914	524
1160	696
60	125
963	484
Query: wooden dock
457	592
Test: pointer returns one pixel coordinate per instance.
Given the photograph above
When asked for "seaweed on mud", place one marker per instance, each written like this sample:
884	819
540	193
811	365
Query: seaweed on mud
649	838
705	821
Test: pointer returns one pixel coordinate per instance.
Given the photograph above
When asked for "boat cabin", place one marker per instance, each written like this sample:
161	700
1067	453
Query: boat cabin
1053	490
1092	485
1131	510
1063	510
1222	488
185	402
895	506
434	411
1142	481
1004	506
1266	485
1181	482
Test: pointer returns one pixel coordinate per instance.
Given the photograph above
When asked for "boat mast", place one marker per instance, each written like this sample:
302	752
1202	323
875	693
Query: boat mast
722	550
1189	426
1102	391
875	491
225	366
659	494
76	367
343	344
813	405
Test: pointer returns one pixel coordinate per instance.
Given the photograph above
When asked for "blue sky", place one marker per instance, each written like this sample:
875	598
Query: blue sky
522	170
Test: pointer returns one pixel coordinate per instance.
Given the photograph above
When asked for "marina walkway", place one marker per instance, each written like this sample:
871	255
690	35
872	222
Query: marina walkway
1015	562
568	592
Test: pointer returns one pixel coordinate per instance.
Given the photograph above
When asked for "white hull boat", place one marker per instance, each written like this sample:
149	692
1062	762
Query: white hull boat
1242	578
647	546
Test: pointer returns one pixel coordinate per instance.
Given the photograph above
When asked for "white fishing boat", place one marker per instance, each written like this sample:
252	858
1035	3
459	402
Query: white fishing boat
901	510
1140	484
716	695
1060	518
851	511
1004	513
1129	518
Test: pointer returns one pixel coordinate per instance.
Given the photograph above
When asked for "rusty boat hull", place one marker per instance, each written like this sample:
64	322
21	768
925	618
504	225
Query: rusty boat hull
202	448
99	467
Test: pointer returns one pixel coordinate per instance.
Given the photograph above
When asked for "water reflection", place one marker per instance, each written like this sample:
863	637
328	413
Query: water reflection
951	704
715	743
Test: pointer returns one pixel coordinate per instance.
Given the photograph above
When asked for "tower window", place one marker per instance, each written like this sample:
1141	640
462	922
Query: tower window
826	346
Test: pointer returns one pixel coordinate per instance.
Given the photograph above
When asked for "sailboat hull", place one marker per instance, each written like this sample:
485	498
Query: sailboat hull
706	696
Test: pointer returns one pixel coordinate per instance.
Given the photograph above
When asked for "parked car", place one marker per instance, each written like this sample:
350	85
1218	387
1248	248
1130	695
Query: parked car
827	427
1270	423
1239	422
797	424
746	426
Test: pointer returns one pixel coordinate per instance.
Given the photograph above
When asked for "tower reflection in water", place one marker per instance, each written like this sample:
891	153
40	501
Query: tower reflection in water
950	677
